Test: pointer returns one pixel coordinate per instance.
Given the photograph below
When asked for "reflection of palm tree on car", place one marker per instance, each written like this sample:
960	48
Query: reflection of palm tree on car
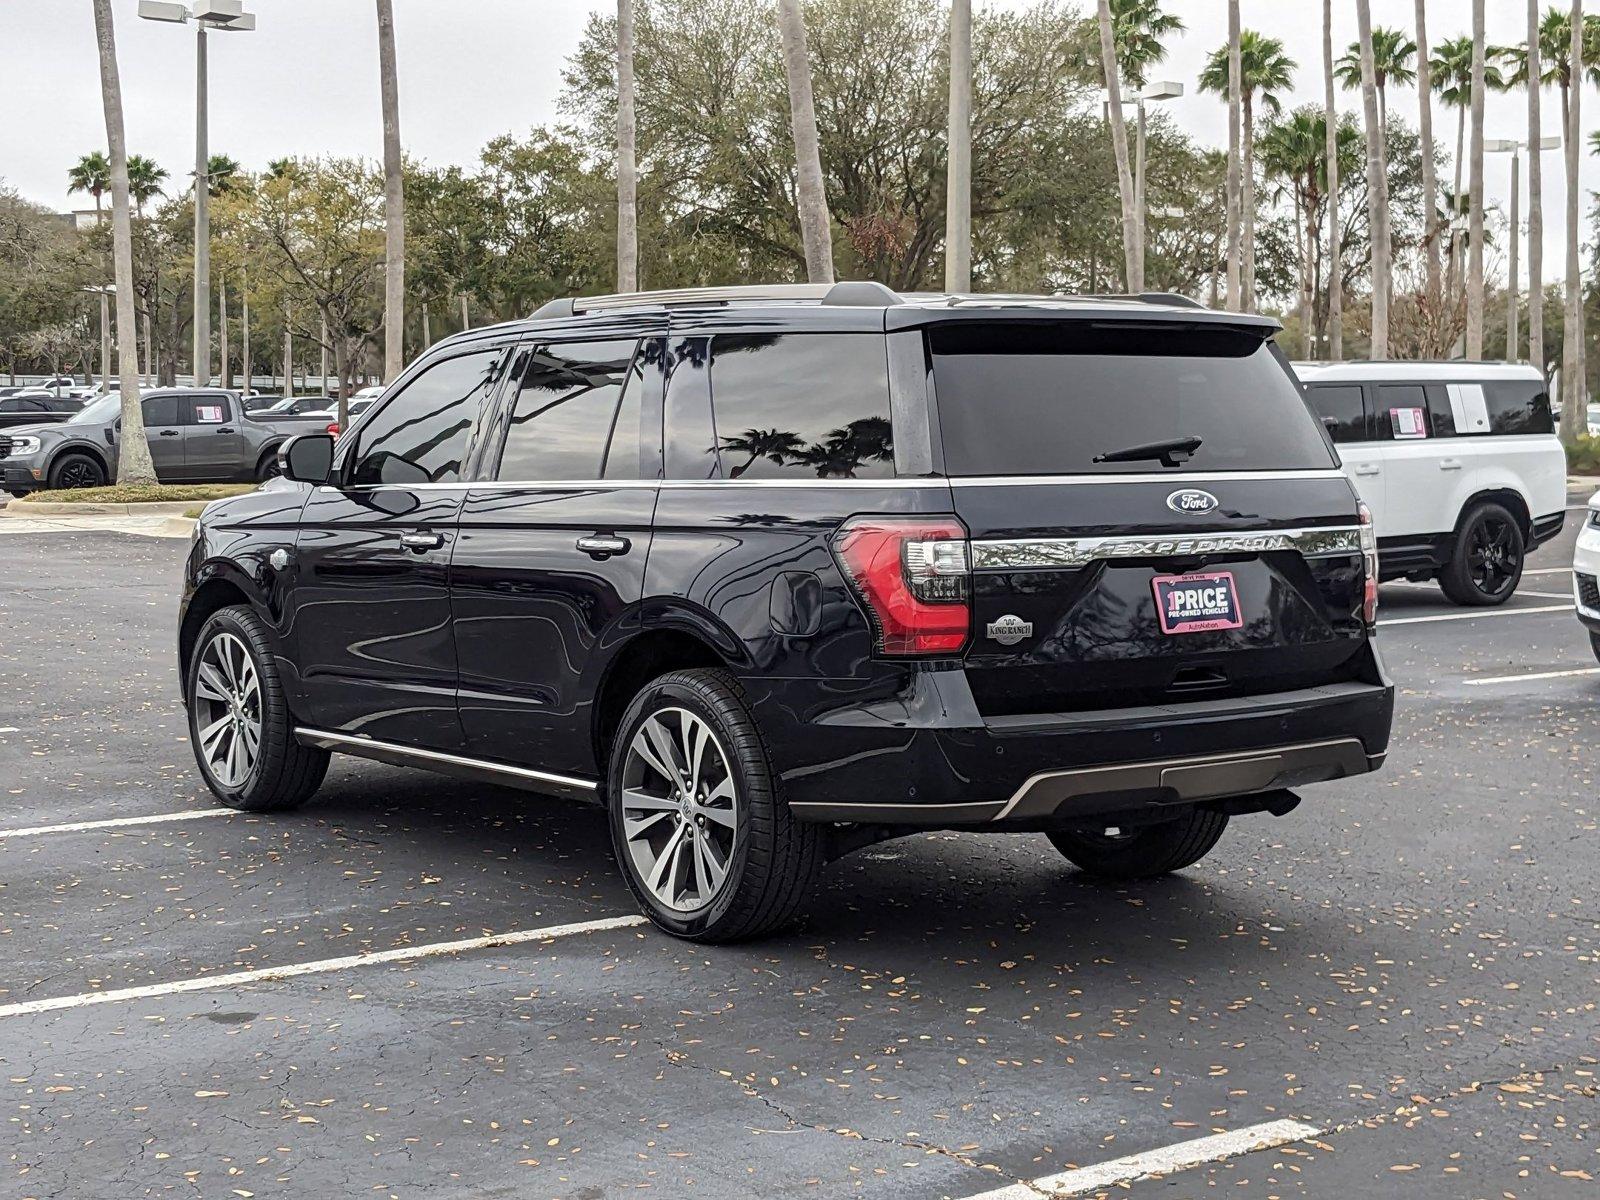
778	445
844	450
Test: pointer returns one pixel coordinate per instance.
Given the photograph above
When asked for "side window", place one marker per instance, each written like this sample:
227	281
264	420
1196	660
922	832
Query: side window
1518	406
423	433
160	411
1402	412
206	410
689	442
1341	409
566	409
803	405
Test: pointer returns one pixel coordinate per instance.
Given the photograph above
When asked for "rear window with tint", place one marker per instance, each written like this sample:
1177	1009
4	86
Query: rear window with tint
1048	399
1518	406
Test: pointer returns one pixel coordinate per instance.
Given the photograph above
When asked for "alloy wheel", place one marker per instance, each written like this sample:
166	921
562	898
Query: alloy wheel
1494	559
679	809
227	710
79	474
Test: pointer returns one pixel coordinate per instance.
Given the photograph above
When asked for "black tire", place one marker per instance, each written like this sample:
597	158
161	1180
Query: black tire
1486	558
775	859
1147	852
285	773
267	468
1594	644
76	471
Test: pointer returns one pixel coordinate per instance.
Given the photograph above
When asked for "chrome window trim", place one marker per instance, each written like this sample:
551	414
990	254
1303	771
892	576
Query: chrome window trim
1026	553
1175	478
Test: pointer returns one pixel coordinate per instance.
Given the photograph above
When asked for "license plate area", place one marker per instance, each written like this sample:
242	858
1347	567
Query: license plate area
1197	603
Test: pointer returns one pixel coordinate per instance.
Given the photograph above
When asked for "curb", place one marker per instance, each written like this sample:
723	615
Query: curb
53	508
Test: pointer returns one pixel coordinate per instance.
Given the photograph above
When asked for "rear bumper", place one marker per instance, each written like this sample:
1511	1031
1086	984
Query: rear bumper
927	757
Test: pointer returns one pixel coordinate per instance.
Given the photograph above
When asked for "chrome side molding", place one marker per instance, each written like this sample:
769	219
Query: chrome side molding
1025	553
458	765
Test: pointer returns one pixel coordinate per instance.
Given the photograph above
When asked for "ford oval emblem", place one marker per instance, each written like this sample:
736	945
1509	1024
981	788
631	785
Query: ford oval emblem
1192	500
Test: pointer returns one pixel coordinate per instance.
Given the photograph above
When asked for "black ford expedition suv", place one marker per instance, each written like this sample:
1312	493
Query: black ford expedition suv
776	573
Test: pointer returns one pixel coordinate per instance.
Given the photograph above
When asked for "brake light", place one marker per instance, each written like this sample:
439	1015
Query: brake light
333	428
1369	564
911	576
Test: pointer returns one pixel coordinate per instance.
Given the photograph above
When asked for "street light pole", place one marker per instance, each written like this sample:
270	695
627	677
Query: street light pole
206	15
1514	147
1164	90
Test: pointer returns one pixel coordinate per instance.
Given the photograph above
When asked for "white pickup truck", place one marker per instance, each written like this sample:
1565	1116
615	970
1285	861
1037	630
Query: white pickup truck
1458	461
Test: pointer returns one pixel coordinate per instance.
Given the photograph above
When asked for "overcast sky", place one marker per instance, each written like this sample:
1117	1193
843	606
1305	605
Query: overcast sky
306	82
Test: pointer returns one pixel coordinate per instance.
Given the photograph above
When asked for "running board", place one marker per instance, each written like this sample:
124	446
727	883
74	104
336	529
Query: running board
477	769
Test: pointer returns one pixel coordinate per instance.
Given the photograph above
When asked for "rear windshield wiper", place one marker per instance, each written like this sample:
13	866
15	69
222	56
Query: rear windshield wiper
1171	452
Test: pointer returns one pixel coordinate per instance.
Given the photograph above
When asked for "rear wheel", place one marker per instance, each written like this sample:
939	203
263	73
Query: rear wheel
1143	853
1486	561
239	721
704	839
77	471
268	468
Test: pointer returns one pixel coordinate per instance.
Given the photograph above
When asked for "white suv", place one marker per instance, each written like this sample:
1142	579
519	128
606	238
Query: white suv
1458	461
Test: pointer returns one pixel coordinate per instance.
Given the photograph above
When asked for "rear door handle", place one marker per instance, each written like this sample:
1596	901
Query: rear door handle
225	429
604	545
1366	469
1449	464
168	433
421	541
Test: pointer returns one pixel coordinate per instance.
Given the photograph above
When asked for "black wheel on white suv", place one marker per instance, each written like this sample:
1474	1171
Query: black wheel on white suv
700	831
1144	852
1486	559
239	721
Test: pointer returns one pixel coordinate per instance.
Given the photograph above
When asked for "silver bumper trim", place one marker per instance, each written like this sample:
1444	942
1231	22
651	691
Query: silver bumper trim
1027	553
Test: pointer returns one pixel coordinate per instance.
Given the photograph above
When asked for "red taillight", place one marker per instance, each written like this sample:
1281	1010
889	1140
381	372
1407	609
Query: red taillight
333	428
1369	563
910	574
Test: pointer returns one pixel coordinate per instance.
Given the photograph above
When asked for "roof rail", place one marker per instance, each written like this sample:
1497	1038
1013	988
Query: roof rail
859	294
1175	299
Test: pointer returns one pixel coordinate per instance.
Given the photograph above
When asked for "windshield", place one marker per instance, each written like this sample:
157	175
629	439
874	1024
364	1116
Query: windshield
97	412
1089	398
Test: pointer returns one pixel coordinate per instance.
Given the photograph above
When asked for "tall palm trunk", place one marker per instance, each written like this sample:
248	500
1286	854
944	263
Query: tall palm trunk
1430	185
288	352
244	331
133	452
1377	187
1133	261
1235	77
394	202
225	360
1458	198
1308	240
958	174
816	233
627	156
1574	417
1535	200
1335	258
1247	201
1475	193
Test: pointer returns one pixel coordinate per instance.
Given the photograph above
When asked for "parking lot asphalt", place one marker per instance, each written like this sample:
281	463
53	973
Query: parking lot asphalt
1408	965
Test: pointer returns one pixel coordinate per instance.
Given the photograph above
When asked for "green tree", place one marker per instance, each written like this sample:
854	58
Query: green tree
91	175
1393	57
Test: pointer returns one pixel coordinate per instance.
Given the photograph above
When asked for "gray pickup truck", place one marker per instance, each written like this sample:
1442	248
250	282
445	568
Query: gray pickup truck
195	434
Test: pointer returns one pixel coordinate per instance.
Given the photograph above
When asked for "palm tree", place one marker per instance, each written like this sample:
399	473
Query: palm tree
1475	194
958	173
221	174
1535	197
1430	187
1294	150
144	180
1377	185
1574	411
91	174
1132	252
1138	27
394	207
1235	76
1451	72
1331	158
1392	55
1265	69
133	453
775	445
816	233
627	156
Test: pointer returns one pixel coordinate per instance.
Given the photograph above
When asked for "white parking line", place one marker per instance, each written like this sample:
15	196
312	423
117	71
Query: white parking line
1473	616
1549	571
1531	678
320	966
1156	1163
188	814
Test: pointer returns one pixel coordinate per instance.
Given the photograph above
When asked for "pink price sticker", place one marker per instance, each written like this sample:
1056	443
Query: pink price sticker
208	414
1408	422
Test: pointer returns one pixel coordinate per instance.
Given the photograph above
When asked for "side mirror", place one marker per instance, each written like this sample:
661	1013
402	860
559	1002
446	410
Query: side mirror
306	458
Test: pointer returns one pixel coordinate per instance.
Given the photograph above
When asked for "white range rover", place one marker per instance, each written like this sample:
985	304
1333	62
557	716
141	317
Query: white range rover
1458	461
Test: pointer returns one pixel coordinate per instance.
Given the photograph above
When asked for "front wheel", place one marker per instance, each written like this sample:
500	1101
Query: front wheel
1143	853
239	721
700	831
76	471
1486	561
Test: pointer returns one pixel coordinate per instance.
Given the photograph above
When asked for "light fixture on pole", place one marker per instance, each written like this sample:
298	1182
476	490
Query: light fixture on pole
1165	89
1514	147
105	292
207	15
